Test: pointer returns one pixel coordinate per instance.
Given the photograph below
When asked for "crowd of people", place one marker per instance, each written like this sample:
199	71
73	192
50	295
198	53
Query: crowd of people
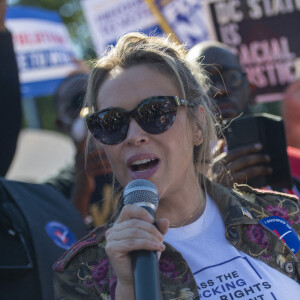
37	223
150	109
232	94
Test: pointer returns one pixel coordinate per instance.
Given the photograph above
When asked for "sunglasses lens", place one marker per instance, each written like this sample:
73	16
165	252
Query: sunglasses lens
156	115
109	127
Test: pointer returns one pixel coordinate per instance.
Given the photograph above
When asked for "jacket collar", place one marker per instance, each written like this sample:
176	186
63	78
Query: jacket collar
233	205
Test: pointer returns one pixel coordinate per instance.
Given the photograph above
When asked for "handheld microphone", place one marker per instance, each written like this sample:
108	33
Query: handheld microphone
143	193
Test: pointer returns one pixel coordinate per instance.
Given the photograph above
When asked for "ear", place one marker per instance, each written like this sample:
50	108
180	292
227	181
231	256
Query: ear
198	130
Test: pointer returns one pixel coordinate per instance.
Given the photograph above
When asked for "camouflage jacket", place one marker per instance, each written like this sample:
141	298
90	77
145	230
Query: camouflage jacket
84	272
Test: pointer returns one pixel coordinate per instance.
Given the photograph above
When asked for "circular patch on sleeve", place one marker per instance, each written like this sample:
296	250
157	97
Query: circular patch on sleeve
60	234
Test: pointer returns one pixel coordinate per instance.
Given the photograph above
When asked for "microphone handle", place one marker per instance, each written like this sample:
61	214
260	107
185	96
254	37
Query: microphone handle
146	272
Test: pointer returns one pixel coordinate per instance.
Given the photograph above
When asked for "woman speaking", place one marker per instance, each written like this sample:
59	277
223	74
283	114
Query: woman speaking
154	119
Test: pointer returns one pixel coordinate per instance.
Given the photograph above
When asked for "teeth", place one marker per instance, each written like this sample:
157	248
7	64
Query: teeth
142	161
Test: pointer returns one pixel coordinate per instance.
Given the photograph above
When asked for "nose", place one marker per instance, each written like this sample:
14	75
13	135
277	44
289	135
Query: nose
136	135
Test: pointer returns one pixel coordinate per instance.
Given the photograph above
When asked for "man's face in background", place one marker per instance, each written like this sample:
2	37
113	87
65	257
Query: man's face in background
231	89
68	102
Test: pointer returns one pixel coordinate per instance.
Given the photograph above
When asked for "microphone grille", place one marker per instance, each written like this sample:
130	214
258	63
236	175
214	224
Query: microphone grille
141	190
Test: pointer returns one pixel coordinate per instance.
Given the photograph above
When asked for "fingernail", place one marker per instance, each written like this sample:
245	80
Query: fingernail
267	157
151	219
161	238
270	170
162	247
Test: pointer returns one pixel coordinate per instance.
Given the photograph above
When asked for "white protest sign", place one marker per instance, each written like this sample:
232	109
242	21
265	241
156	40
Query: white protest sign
265	37
109	19
43	49
185	18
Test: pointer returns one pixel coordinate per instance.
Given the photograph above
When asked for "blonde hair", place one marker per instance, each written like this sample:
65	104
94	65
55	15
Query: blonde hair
167	57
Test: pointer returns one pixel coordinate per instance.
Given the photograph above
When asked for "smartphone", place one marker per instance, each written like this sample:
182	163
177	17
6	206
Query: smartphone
267	130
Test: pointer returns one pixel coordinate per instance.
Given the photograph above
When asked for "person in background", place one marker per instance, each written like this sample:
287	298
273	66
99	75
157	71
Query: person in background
28	211
291	116
10	96
150	111
87	182
232	94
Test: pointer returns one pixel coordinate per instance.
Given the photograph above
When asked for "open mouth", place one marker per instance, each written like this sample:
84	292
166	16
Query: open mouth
144	164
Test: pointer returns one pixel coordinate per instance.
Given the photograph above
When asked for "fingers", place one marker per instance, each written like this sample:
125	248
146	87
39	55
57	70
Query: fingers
163	225
130	240
247	161
134	230
248	167
250	173
131	211
236	153
139	232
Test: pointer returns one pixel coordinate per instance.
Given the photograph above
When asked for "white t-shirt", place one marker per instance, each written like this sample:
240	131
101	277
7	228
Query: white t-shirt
220	270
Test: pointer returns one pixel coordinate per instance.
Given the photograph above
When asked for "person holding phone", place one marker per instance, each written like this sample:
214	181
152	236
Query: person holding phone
232	94
150	111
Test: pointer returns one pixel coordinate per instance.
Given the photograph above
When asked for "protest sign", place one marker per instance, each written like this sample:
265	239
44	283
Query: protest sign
264	33
43	49
184	18
108	20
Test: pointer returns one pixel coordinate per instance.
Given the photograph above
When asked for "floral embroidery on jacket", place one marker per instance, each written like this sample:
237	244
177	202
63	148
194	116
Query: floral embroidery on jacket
296	220
100	273
257	235
168	268
278	211
95	274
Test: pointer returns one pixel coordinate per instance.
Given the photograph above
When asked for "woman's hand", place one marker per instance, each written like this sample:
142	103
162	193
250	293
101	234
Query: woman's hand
133	230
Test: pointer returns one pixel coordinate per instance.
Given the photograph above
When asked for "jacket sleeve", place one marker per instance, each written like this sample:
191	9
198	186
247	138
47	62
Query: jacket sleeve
83	271
66	287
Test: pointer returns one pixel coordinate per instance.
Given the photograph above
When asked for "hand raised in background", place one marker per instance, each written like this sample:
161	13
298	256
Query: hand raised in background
2	14
244	163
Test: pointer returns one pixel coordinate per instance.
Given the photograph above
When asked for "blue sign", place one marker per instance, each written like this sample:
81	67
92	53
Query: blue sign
43	49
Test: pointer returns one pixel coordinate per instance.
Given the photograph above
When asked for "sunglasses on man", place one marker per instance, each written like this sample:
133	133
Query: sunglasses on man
230	77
